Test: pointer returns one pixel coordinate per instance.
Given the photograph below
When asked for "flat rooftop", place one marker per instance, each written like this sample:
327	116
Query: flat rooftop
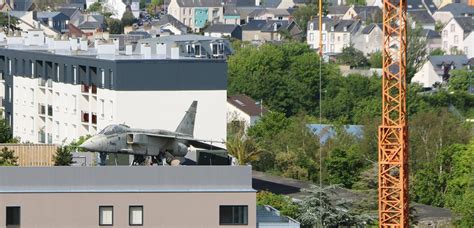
126	179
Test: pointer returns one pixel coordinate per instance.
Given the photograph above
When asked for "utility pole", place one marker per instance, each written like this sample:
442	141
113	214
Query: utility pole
393	133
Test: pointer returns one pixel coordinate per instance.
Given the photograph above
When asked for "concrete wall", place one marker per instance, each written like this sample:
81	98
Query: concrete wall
50	210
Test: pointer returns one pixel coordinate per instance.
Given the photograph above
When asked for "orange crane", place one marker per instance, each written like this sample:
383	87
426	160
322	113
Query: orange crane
393	132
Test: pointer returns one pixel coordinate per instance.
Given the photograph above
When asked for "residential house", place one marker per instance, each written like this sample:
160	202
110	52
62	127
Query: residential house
366	14
281	4
337	12
243	111
378	3
196	14
442	3
5	6
433	40
369	39
437	69
224	31
231	16
55	20
90	23
422	18
28	20
23	5
469	45
454	34
73	13
446	13
261	31
337	34
268	216
270	14
118	7
170	24
423	5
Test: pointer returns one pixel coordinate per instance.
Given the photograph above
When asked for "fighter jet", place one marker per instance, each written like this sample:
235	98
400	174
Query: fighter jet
161	146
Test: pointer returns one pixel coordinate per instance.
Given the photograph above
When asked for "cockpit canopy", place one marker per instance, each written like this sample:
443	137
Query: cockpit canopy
114	129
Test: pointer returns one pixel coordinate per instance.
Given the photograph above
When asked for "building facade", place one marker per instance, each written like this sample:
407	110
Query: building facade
196	14
454	33
337	34
56	92
54	197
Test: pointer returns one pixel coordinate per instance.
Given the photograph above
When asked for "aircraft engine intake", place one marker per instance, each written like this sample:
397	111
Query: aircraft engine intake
180	150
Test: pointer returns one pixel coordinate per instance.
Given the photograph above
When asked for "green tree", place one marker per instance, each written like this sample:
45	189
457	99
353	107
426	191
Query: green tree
376	60
63	157
280	202
416	50
4	22
437	51
305	13
7	157
74	145
95	7
352	57
128	19
243	148
459	80
154	6
5	131
318	208
114	26
343	167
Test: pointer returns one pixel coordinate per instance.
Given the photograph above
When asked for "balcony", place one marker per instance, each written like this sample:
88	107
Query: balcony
50	110
85	117
41	82
94	118
41	137
94	89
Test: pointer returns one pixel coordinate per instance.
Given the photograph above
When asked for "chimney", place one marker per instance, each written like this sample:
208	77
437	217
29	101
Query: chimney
128	49
175	52
161	50
146	50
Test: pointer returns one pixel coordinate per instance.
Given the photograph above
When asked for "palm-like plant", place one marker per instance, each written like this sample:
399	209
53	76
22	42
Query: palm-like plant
243	148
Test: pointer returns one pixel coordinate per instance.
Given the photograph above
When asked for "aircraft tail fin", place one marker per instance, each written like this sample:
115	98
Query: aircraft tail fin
187	123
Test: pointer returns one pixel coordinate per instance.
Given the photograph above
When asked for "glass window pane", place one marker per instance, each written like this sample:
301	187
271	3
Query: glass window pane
106	214
136	215
13	216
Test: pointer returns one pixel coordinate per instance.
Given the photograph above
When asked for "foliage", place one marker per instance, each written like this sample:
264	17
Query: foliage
4	22
7	157
356	2
343	167
243	148
376	60
352	57
74	145
459	80
416	50
5	131
128	19
154	6
114	26
305	13
319	209
437	51
439	26
280	202
63	157
95	7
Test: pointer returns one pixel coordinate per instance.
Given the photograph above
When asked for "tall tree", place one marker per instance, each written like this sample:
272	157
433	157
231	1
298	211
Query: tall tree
7	157
5	131
243	148
352	57
416	50
128	19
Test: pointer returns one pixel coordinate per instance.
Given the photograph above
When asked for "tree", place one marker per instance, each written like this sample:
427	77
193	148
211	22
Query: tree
243	148
416	50
280	202
343	167
376	60
437	51
460	80
74	145
114	26
305	13
318	209
63	157
4	22
7	157
154	6
128	19
352	57
95	7
5	131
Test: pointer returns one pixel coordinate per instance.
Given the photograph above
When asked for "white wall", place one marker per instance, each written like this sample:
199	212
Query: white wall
469	46
427	76
235	114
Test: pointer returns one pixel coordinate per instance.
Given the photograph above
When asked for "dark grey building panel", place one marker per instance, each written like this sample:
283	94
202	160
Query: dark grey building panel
126	179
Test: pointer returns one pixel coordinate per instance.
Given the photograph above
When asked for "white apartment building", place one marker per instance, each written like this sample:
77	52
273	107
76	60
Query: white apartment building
337	34
196	14
59	90
455	36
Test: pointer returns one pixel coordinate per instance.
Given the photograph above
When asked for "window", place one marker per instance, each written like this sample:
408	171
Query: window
346	38
221	48
456	39
311	37
9	66
74	73
106	215
324	37
214	49
445	33
135	215
13	216
57	72
197	50
466	50
311	26
111	82
453	27
102	78
10	94
233	215
445	44
32	69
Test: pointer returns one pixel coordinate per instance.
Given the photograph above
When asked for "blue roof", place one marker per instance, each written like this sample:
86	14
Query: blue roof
329	132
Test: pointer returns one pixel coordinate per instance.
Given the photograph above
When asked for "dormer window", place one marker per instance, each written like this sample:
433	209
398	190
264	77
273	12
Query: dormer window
197	50
311	26
345	28
332	28
189	49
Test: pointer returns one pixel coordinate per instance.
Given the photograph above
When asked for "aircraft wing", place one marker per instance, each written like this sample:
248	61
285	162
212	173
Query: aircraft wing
198	143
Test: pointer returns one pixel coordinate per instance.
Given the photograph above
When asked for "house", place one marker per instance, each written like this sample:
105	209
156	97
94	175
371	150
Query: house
90	23
23	5
442	3
123	196
421	5
28	20
72	13
337	12
281	4
5	7
170	24
422	18
337	34
433	40
436	70
261	31
369	39
231	16
366	14
270	14
454	34
118	7
244	110
55	20
446	13
197	14
224	31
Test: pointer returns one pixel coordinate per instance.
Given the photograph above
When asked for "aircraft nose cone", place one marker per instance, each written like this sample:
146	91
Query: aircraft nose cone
89	145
